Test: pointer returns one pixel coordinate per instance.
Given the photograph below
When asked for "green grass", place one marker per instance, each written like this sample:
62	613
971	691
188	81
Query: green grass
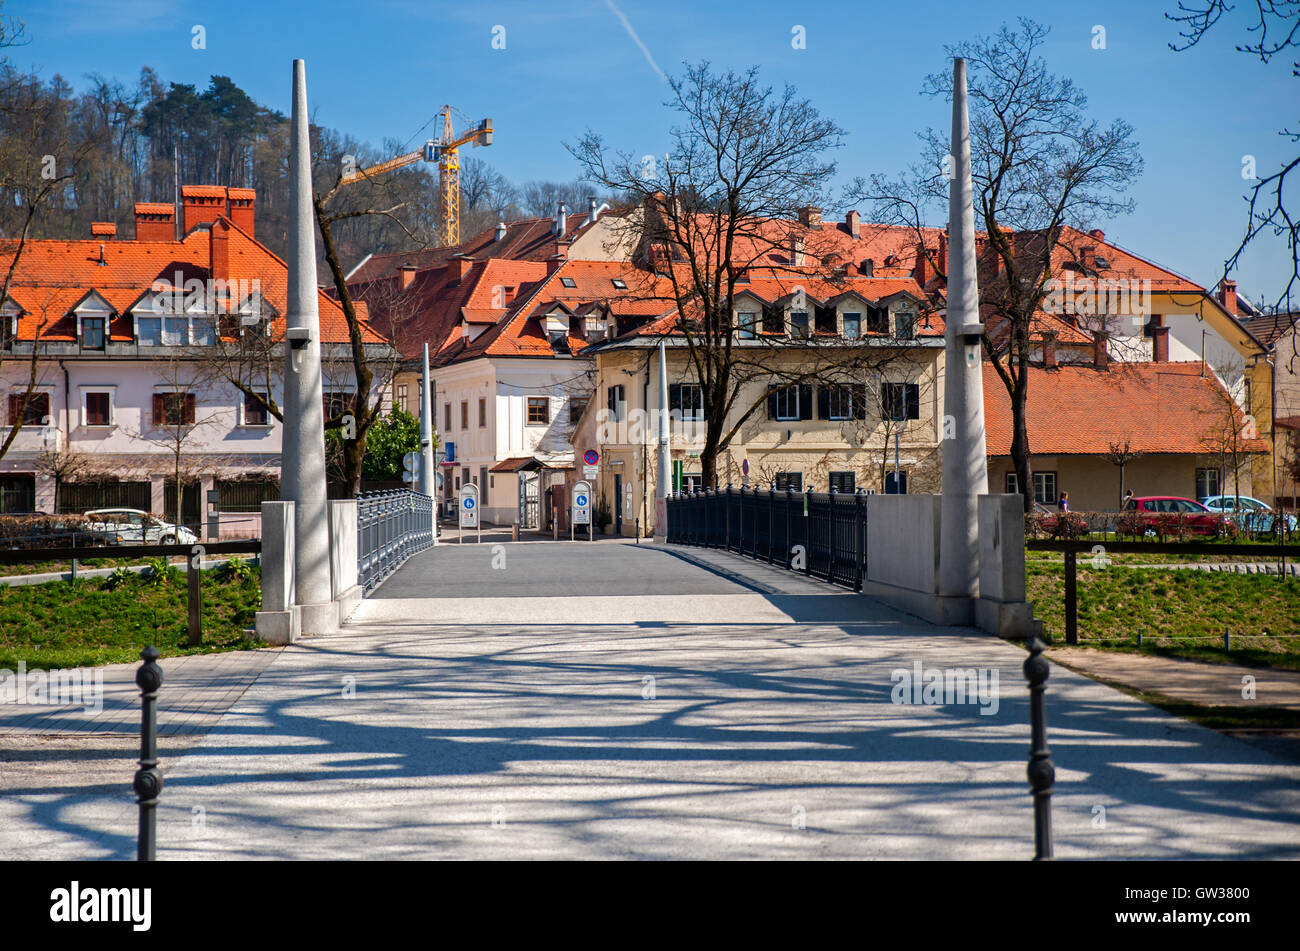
61	624
1179	613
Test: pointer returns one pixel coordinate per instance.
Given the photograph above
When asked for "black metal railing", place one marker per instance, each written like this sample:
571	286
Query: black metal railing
822	534
392	525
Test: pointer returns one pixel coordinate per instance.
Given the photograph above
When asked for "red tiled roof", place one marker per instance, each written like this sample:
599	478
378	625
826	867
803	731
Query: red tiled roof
53	276
1267	328
1078	409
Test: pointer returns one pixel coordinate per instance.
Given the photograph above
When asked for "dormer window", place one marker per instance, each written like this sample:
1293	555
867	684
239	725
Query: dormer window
8	331
619	283
905	325
568	282
92	333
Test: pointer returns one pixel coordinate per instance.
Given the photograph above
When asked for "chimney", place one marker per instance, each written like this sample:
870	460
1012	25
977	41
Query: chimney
242	202
405	275
553	263
561	221
1160	344
921	272
592	211
1049	350
103	229
501	231
1098	235
796	250
154	221
943	252
460	266
810	216
1088	257
659	259
202	204
1228	296
868	268
1100	351
854	222
219	251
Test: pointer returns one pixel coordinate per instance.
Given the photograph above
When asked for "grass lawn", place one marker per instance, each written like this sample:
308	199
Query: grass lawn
61	624
44	567
1179	613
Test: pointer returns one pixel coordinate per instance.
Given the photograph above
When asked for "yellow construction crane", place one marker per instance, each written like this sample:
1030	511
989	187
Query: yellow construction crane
446	154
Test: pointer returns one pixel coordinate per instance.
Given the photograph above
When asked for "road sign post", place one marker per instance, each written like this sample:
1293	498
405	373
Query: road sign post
581	506
469	511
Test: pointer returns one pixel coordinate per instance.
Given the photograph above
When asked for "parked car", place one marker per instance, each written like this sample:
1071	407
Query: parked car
1166	514
1253	515
133	526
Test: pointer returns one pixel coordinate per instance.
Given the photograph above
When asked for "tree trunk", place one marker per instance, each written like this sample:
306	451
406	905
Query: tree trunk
1020	442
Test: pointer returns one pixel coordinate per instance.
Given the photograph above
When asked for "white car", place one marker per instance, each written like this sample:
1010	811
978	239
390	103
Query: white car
1255	516
133	526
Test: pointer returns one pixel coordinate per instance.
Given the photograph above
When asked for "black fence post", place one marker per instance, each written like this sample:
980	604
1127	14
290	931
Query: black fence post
771	519
148	781
1071	598
1041	771
857	540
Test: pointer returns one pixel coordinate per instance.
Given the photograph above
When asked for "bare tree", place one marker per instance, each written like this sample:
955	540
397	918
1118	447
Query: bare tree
1120	454
1275	29
1038	164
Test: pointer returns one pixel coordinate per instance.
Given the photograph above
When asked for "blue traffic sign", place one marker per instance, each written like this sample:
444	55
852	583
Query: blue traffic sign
469	503
581	500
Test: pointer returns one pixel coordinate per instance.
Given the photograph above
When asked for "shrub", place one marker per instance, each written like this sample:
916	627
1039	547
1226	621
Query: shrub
118	577
161	572
235	570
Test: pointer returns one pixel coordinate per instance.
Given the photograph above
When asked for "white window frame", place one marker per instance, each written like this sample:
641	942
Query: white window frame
243	409
787	393
696	412
1042	497
839	392
844	325
747	329
111	390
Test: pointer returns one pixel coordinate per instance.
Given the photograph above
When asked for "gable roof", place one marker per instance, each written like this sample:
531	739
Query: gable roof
1078	409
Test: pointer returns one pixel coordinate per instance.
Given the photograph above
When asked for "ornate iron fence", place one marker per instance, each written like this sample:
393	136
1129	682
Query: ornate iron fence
822	534
392	525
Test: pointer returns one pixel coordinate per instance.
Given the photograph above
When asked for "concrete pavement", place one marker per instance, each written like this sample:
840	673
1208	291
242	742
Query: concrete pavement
615	702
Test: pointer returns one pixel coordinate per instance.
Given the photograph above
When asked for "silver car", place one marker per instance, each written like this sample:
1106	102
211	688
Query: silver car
133	526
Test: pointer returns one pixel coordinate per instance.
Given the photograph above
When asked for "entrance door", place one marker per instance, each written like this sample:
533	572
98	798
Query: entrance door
618	504
529	500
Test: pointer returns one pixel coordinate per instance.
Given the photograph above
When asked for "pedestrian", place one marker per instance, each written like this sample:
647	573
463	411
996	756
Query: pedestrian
1128	494
1063	503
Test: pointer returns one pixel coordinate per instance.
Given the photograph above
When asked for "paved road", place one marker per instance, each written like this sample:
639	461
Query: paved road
604	701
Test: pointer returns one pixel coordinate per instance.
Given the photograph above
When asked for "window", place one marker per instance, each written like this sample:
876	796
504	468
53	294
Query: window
692	482
171	409
900	401
17	494
1013	486
568	282
615	402
843	401
254	409
843	482
464	414
8	330
686	399
203	330
852	326
773	320
148	331
747	322
1207	483
97	409
877	320
92	333
38	407
896	482
619	283
334	403
789	480
176	331
1045	487
799	323
482	413
577	406
824	320
790	403
905	322
446	420
539	410
400	402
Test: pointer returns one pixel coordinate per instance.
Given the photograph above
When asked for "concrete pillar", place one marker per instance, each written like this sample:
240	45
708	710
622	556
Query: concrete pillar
1001	608
278	622
965	464
344	573
428	483
303	457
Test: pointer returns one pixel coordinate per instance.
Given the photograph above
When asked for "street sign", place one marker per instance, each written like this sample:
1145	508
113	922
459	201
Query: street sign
581	504
469	505
591	457
590	472
411	461
744	467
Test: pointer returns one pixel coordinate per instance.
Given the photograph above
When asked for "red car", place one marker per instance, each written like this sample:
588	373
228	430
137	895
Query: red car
1170	514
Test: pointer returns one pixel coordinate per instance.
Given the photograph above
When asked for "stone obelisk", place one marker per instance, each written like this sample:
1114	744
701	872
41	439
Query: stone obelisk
965	465
303	452
428	482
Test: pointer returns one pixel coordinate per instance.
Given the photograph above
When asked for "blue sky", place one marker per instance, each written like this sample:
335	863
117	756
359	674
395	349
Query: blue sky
382	68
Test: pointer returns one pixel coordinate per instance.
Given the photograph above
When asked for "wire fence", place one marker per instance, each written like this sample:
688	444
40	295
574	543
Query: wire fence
392	525
822	534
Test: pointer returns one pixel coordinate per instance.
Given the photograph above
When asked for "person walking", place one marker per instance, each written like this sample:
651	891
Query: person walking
1063	503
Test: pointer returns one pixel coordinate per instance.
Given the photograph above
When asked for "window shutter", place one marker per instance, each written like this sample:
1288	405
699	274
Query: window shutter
189	408
805	401
913	401
159	409
675	397
771	402
823	402
15	405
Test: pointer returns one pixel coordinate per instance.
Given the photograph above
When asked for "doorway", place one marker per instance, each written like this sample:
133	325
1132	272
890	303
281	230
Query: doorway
618	504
